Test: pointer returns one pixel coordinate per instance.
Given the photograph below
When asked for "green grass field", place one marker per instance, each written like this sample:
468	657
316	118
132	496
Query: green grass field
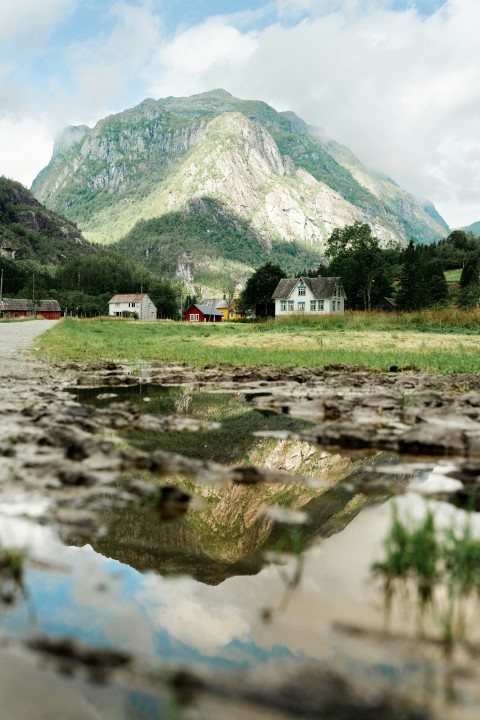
453	275
445	341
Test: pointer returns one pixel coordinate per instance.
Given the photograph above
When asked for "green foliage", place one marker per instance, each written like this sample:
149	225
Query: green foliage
206	229
436	572
257	295
469	297
471	271
422	283
35	232
365	270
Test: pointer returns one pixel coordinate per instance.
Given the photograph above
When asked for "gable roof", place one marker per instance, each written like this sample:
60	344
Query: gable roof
206	310
132	297
48	306
320	287
20	304
129	297
215	303
17	304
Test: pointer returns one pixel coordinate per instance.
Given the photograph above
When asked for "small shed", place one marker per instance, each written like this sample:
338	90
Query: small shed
203	313
136	304
385	304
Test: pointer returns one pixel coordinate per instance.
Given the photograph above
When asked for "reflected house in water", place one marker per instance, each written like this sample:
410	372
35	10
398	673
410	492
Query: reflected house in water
18	308
134	304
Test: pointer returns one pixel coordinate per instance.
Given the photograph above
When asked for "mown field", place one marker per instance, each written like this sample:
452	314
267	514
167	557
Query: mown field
443	341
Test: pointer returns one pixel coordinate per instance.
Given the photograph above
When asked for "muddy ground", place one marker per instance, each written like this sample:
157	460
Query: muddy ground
61	456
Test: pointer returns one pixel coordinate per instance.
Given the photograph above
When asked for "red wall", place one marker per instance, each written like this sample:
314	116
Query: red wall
196	311
50	315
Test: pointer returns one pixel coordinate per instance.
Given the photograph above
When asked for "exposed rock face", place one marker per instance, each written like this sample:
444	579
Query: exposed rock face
31	229
287	180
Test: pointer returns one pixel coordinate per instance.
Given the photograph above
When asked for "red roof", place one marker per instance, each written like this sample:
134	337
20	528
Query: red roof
134	297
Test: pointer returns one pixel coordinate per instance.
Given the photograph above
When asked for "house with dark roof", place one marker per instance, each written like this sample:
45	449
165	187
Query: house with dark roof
320	295
203	313
385	304
19	307
228	308
134	304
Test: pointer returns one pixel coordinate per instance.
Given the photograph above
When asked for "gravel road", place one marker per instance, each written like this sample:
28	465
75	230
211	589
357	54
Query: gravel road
17	337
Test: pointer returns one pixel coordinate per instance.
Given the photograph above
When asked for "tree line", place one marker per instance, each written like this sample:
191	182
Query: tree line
412	277
84	285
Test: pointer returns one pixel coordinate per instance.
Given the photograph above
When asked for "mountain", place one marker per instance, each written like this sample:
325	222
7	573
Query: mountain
211	185
473	228
29	230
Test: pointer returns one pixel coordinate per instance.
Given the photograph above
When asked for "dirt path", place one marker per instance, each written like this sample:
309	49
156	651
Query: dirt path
17	337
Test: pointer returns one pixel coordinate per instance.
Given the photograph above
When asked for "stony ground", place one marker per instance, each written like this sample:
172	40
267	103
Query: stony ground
52	447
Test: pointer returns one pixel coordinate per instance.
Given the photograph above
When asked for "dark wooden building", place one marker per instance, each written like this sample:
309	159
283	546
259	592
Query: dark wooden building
18	308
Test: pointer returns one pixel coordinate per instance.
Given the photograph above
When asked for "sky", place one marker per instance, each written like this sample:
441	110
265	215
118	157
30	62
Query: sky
397	81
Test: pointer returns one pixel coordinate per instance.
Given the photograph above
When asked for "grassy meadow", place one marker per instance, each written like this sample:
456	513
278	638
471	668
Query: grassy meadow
441	341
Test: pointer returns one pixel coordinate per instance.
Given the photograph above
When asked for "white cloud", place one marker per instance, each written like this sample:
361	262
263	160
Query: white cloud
402	90
30	22
104	68
179	67
25	147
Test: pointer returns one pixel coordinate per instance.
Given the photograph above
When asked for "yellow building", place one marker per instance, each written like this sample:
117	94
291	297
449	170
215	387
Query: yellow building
228	309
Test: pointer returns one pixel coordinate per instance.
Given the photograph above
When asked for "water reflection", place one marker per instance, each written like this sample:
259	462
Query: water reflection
229	584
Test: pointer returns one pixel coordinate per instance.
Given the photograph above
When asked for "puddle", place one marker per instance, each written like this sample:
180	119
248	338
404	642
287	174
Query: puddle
221	577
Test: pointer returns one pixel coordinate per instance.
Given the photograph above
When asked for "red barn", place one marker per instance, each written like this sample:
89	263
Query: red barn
19	307
49	309
203	313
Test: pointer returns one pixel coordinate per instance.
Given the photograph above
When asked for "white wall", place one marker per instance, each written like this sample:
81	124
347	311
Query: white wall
296	299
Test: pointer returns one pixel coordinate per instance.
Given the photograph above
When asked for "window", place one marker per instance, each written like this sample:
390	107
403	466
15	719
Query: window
339	304
194	317
302	289
333	305
301	306
291	306
320	305
283	305
313	305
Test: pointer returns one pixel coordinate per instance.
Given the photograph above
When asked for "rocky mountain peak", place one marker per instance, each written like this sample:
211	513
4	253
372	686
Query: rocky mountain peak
270	173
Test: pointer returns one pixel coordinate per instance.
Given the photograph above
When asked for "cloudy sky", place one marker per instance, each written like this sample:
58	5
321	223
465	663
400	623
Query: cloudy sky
398	81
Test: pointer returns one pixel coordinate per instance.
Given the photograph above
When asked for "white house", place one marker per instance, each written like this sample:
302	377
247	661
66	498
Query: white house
138	304
320	295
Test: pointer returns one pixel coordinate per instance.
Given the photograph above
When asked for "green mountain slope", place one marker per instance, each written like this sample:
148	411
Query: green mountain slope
275	184
474	228
30	231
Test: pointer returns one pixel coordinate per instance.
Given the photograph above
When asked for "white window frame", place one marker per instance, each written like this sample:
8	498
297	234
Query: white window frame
301	306
313	305
291	306
334	305
302	290
194	317
283	305
320	305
